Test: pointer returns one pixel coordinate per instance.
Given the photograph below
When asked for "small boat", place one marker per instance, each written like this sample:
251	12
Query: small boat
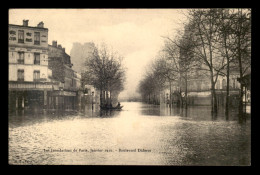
111	108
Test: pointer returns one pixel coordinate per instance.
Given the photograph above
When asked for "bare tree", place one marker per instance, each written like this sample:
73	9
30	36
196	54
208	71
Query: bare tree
187	62
104	70
202	26
163	69
174	73
241	29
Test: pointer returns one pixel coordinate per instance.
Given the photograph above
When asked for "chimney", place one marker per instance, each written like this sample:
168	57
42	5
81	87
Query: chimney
59	46
54	43
41	24
25	22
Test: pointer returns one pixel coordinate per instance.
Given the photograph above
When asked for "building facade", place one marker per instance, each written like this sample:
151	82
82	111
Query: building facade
40	75
30	79
67	96
80	53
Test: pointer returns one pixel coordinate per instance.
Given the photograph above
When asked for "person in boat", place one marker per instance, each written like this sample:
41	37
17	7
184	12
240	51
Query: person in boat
118	104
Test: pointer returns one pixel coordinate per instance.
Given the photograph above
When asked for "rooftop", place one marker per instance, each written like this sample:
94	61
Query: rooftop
25	25
41	28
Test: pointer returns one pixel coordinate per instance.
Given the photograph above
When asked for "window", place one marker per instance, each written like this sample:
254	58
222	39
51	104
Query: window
20	36
37	38
224	84
86	91
36	58
12	32
20	76
36	75
21	58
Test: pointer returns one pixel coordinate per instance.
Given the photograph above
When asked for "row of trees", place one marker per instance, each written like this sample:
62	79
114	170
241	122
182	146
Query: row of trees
104	70
213	43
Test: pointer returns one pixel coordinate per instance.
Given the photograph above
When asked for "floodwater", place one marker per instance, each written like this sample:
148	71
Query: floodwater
140	134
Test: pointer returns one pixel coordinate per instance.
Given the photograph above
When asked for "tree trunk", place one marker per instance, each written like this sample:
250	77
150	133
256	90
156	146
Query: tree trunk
100	98
110	99
240	108
213	96
215	100
186	92
240	112
107	99
227	97
170	94
239	56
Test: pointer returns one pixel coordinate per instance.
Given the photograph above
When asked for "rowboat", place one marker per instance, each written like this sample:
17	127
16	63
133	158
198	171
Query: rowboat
111	108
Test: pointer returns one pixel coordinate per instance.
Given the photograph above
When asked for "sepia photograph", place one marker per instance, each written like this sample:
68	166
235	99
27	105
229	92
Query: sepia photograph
129	86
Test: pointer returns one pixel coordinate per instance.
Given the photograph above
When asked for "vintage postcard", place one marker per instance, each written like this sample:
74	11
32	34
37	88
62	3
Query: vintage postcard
168	87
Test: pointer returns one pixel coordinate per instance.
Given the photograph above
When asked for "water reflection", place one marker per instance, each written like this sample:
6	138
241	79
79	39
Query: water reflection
175	136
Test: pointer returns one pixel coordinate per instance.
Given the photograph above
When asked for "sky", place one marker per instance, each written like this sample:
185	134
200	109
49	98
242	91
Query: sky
136	34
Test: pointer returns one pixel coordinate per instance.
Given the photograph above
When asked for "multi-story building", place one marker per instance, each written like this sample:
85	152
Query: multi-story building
30	79
66	97
199	87
80	53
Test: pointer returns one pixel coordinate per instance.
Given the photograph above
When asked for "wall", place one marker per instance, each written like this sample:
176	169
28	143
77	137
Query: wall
29	48
28	40
79	53
28	72
28	56
56	65
54	51
233	83
61	65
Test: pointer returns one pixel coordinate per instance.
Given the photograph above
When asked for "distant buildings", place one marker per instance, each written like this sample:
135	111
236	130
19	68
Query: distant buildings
80	53
199	89
40	75
199	82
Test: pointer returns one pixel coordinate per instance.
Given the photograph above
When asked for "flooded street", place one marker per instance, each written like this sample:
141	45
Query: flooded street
140	134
